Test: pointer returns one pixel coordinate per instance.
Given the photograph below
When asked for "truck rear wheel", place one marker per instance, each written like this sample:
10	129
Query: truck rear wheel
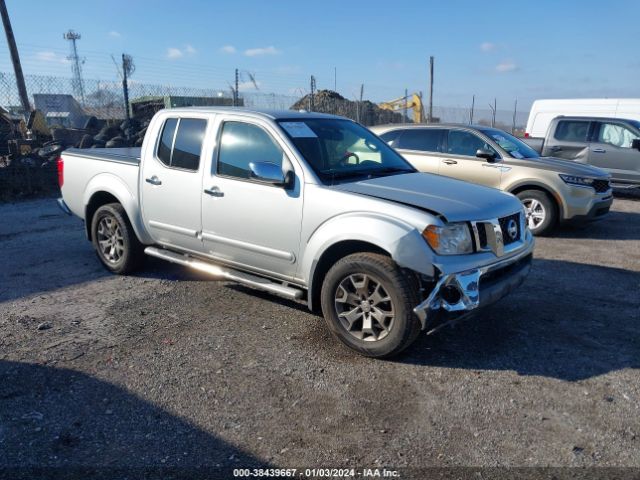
114	240
367	302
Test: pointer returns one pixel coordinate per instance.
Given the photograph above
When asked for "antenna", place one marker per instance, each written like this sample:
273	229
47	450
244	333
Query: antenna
78	86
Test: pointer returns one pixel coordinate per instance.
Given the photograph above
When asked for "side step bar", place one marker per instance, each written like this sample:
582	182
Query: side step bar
225	274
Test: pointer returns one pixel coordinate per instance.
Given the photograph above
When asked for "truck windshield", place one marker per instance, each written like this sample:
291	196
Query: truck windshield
510	144
341	149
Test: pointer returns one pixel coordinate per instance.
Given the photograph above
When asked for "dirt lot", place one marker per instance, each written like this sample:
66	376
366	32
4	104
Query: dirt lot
167	369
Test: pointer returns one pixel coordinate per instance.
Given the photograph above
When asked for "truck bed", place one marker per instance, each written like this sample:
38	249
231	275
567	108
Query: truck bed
129	155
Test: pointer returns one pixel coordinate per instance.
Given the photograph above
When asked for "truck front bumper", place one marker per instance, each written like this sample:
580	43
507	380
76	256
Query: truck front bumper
457	294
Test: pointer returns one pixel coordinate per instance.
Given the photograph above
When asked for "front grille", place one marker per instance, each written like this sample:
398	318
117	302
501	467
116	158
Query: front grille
482	236
504	226
601	186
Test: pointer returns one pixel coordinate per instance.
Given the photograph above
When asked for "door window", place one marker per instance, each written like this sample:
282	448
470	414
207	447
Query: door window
461	142
241	144
182	149
572	131
420	139
616	135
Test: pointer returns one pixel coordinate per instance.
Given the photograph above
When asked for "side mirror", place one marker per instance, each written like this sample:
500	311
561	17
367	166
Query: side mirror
488	155
271	173
635	143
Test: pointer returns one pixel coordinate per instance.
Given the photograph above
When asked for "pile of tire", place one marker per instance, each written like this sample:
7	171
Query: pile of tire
129	133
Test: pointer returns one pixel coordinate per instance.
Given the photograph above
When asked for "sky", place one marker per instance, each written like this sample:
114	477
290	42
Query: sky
502	49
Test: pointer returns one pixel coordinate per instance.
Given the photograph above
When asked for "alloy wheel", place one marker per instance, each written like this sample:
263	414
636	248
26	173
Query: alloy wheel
535	212
110	239
364	307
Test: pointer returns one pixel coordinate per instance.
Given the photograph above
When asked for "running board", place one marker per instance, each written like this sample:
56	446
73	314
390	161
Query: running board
225	274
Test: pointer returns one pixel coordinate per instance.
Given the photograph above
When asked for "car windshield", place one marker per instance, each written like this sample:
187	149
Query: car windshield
339	149
510	144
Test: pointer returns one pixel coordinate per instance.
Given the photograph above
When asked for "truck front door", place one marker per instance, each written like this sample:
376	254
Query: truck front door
611	150
171	188
245	222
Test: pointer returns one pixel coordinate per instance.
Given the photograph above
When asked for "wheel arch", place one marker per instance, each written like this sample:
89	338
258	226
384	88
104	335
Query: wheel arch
533	185
362	232
107	188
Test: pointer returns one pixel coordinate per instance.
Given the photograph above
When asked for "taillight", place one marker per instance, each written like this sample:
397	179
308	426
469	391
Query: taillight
60	171
526	134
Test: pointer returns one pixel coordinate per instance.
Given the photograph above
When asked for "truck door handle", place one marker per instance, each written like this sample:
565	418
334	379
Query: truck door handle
450	162
214	192
153	180
599	150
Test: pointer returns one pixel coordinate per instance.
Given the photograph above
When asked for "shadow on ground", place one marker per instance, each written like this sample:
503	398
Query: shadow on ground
67	422
616	225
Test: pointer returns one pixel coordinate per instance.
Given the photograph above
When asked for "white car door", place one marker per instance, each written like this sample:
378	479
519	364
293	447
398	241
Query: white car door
245	222
171	190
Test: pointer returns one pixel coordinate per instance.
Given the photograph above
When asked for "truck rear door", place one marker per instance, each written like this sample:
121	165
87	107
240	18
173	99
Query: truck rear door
568	139
171	184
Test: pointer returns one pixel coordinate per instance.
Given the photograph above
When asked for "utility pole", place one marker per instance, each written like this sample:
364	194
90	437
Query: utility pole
473	104
312	95
493	112
127	71
406	105
15	59
515	110
78	86
421	113
431	89
360	102
235	90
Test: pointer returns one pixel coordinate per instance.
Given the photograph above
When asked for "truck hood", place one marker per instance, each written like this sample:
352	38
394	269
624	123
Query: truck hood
561	165
453	199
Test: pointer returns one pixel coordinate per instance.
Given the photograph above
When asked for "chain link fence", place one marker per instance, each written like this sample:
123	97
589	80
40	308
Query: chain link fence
95	117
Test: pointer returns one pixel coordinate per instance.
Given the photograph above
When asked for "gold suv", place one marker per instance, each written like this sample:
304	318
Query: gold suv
552	190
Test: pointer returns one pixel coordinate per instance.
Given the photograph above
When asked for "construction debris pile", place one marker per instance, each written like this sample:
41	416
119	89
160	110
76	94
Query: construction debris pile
365	112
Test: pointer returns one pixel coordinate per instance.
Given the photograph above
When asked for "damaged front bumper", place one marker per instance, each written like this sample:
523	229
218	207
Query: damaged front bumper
456	295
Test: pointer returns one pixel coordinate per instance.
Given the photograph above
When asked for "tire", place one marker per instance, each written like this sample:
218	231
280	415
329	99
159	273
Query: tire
544	207
346	279
110	223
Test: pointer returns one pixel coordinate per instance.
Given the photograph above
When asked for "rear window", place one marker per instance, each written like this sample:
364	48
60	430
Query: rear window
391	137
166	141
572	130
182	149
420	139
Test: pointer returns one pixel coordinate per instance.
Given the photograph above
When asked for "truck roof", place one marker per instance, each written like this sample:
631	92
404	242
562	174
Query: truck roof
257	112
390	126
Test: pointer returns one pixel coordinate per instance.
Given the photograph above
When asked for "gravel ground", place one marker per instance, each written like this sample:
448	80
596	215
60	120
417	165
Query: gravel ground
168	369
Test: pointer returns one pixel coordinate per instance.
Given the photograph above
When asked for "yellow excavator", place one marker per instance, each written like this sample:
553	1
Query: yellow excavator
412	101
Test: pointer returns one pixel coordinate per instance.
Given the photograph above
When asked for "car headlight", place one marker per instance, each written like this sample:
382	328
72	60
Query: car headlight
574	180
452	239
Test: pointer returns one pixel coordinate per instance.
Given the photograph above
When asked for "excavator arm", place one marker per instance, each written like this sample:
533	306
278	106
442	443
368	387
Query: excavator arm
412	101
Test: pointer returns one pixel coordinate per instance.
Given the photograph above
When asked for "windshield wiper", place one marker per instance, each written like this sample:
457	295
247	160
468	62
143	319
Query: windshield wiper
386	170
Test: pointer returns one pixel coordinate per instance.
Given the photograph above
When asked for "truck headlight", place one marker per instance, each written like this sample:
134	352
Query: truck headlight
452	239
575	180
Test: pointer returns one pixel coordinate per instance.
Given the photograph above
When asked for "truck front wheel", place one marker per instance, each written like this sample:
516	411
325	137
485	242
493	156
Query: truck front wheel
367	302
114	240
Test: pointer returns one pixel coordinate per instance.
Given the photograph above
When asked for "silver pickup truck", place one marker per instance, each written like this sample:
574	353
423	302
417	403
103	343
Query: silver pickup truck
303	205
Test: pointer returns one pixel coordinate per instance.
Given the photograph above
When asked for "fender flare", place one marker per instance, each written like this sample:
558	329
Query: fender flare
541	186
403	242
113	185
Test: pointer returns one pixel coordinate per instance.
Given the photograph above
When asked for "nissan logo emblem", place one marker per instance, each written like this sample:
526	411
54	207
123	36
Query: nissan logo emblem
512	229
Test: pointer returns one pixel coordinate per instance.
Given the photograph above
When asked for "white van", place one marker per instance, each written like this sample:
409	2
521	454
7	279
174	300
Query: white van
543	111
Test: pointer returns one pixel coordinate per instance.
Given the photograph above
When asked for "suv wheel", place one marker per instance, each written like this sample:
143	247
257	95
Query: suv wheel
367	302
540	210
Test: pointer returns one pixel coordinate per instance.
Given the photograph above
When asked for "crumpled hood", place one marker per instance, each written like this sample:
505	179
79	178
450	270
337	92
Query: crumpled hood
561	165
454	199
